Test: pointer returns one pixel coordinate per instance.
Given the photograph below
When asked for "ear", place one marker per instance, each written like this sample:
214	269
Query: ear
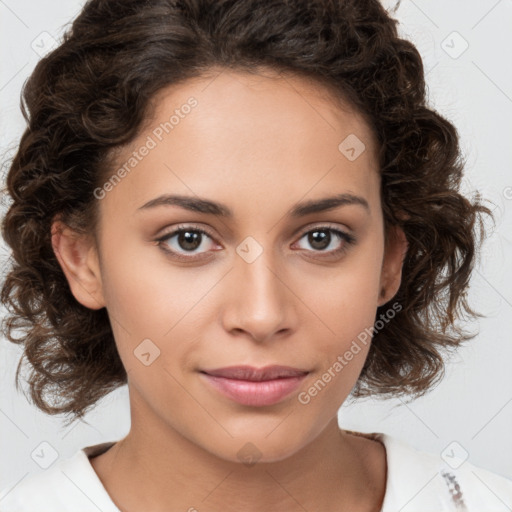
77	255
394	254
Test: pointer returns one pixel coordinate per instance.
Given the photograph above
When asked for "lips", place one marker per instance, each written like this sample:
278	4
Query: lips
255	386
256	374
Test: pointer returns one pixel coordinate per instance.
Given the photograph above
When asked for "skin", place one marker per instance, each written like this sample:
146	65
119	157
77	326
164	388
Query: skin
259	144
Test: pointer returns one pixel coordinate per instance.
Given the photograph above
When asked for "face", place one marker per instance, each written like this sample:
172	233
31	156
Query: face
248	268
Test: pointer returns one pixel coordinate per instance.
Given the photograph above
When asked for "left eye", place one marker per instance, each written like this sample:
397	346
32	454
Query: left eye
321	238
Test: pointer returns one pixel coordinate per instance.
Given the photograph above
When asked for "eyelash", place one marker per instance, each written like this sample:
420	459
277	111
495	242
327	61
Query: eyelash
347	238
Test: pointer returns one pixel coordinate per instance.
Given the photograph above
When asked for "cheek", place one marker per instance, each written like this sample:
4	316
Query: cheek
346	300
150	298
346	303
147	293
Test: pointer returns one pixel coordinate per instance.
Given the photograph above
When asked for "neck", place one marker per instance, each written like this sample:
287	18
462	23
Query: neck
333	472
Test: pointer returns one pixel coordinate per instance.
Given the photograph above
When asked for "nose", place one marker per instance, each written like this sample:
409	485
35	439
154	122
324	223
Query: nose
259	303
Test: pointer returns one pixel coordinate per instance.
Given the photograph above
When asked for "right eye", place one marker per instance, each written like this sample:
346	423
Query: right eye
187	239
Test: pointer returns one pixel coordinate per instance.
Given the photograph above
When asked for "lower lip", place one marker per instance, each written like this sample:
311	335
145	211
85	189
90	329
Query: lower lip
245	392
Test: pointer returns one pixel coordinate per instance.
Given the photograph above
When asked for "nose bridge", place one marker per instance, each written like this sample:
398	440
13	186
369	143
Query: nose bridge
260	303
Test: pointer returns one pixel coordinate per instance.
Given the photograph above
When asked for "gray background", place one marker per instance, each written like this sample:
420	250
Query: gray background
470	412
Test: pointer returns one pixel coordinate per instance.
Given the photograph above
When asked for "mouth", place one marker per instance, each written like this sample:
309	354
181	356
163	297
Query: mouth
257	387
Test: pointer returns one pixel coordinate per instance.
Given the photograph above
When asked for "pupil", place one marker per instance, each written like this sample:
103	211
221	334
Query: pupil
323	239
188	240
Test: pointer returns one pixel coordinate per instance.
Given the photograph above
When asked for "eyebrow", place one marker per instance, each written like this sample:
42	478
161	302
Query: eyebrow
200	205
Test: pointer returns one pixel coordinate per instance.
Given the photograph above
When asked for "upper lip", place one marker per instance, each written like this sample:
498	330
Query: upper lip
256	374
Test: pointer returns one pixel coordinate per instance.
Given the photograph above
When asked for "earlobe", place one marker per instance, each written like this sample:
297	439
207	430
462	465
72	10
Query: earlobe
394	255
77	256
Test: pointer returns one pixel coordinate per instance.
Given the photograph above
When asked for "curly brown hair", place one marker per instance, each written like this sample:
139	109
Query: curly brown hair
92	94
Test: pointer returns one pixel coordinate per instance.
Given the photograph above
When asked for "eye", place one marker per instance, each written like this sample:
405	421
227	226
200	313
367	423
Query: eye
189	239
187	242
321	238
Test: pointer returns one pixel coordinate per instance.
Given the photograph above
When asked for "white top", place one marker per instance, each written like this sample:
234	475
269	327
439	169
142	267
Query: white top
417	481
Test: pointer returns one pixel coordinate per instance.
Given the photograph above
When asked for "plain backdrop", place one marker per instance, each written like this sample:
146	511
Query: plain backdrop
466	48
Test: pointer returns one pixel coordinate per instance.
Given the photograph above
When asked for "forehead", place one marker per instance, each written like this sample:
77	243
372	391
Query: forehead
259	135
266	99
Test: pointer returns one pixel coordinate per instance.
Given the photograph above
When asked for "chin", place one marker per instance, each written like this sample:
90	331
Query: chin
261	447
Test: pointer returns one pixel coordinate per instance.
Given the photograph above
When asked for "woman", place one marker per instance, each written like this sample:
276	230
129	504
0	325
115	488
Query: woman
245	211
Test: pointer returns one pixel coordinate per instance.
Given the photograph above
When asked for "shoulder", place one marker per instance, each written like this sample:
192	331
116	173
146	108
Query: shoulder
420	481
69	485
